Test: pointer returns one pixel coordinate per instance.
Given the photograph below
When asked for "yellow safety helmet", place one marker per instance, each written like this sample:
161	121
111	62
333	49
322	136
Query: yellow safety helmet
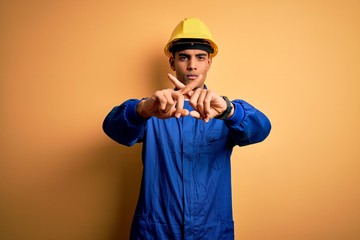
193	32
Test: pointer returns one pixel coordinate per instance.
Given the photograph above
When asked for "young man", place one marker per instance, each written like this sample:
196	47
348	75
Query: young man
188	135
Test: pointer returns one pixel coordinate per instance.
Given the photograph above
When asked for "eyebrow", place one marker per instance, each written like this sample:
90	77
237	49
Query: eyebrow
188	55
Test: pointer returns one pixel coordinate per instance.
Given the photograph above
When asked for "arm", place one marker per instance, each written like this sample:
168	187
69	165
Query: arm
124	125
247	125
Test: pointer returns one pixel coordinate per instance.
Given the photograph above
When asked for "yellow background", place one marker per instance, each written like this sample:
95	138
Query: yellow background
65	64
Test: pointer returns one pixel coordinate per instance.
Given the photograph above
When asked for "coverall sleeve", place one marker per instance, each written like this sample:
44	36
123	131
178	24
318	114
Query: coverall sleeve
124	125
247	125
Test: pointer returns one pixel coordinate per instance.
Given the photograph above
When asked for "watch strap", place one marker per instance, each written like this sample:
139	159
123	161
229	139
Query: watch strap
227	111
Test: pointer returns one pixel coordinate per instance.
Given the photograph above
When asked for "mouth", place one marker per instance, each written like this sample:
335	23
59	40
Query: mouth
191	76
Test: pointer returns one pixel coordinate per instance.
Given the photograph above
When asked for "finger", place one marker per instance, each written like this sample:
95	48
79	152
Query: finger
207	104
170	103
160	99
165	101
195	114
180	111
179	85
192	85
194	99
175	81
200	103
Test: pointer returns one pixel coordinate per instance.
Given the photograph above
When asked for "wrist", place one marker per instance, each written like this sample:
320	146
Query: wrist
140	109
229	111
232	111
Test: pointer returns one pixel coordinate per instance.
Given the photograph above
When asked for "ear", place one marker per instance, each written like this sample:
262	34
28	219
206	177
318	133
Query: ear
172	63
209	63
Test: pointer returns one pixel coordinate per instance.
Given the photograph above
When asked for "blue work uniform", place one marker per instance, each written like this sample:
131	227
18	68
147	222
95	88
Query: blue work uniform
186	184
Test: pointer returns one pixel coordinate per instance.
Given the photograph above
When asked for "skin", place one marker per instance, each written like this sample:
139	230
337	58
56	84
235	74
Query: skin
191	67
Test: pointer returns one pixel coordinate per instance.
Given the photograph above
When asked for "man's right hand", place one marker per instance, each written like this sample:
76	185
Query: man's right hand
163	104
166	103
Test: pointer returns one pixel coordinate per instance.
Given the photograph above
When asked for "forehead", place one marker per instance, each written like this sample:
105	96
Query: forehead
192	52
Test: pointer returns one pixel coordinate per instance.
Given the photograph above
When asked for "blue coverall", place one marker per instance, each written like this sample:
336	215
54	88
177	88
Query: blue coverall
186	184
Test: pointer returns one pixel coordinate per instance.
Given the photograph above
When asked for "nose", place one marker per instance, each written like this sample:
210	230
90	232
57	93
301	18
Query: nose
192	64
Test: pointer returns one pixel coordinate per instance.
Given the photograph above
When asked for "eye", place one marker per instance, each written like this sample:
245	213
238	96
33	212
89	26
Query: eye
201	58
183	58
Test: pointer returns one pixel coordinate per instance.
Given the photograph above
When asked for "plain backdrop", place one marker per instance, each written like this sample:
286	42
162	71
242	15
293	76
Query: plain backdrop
65	64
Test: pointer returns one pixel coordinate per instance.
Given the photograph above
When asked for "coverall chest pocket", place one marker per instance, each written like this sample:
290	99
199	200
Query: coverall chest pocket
216	146
215	132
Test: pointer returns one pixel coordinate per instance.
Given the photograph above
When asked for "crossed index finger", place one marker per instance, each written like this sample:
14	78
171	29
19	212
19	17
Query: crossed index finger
185	89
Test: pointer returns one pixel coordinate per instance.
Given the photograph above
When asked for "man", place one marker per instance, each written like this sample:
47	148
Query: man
188	134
